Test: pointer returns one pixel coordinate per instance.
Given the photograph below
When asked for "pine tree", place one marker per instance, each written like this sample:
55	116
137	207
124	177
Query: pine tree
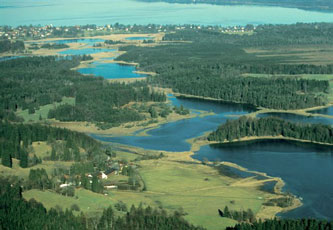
53	154
67	155
7	159
77	156
95	186
23	159
84	181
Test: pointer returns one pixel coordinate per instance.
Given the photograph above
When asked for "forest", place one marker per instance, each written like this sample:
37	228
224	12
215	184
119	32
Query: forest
9	46
16	138
28	83
271	126
282	224
212	64
287	93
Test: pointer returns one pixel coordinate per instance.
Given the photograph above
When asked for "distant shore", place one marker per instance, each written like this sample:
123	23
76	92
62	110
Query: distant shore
302	112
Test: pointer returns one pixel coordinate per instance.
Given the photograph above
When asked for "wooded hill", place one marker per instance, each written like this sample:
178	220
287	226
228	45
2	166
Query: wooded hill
16	138
271	126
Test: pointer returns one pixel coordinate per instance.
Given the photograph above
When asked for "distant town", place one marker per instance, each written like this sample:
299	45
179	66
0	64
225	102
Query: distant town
50	31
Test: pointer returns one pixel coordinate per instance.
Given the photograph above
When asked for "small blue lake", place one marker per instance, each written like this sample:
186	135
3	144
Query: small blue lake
111	70
85	51
326	111
88	41
299	118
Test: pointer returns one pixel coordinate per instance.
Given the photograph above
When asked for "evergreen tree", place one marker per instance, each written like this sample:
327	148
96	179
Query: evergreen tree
53	154
24	159
6	159
77	156
95	186
67	155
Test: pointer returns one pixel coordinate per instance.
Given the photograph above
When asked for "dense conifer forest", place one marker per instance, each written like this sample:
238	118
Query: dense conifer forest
271	126
212	64
9	46
16	138
28	83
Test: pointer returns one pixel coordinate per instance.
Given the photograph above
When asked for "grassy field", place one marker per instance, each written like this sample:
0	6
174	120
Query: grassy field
41	149
16	170
89	202
175	182
43	110
314	54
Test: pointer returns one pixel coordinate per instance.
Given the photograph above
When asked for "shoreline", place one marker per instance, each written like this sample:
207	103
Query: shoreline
197	142
280	137
265	212
127	129
302	112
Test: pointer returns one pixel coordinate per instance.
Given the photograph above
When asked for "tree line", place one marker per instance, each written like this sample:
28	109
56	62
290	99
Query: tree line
276	93
263	35
271	126
285	224
9	46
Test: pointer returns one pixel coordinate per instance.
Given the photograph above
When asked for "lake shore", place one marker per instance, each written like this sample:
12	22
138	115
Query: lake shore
127	129
302	112
266	212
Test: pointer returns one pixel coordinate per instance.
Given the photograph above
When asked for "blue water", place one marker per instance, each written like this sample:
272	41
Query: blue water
85	51
306	169
299	118
111	70
9	58
138	38
172	136
102	12
87	41
326	111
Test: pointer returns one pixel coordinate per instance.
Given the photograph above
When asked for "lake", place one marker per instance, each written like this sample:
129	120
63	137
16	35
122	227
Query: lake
111	70
306	168
299	118
101	12
85	51
326	111
87	41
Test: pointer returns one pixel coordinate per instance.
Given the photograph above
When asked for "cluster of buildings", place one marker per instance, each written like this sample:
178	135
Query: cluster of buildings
49	31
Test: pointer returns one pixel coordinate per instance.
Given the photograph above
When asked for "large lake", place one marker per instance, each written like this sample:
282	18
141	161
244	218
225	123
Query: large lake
101	12
306	168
